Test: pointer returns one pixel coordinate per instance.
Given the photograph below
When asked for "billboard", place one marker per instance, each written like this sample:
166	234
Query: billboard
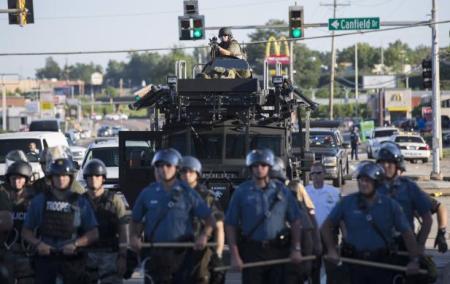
398	100
379	82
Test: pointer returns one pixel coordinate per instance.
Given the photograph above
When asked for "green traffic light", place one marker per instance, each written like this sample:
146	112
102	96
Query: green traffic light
296	33
198	33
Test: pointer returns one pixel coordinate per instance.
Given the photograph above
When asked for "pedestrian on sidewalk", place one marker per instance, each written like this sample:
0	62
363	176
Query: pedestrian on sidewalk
354	141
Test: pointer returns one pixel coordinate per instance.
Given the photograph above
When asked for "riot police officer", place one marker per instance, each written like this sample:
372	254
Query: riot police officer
369	218
166	211
46	157
106	263
405	191
66	222
228	46
6	224
16	187
259	208
191	172
310	236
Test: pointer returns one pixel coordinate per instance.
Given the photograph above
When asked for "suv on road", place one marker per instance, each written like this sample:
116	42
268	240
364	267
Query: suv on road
379	135
329	147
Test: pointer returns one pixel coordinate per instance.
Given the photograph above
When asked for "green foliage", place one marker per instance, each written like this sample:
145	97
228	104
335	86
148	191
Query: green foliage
81	71
368	56
50	70
307	65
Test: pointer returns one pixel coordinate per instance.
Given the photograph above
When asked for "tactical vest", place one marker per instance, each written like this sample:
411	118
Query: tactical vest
209	199
108	222
61	218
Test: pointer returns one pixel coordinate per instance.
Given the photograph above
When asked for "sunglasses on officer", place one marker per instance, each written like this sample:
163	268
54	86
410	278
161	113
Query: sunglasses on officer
316	173
259	165
162	164
186	170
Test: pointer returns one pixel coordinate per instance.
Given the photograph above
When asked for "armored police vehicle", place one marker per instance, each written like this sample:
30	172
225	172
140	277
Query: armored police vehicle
218	121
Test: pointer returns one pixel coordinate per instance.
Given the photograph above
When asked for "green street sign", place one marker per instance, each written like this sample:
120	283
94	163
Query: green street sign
348	24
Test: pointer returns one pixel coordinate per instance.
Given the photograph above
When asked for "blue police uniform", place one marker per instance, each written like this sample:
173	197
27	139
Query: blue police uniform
410	197
168	216
60	222
363	241
179	205
248	205
34	217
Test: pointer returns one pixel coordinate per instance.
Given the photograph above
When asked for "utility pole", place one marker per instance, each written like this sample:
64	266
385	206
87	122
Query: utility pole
356	80
437	138
4	107
333	58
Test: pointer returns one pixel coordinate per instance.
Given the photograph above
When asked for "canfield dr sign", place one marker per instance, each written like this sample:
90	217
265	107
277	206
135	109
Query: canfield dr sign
348	24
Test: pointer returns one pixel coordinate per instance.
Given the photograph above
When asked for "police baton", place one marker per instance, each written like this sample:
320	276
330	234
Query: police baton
168	245
265	263
376	264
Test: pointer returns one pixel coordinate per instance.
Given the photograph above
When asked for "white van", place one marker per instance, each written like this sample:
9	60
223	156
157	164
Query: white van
21	140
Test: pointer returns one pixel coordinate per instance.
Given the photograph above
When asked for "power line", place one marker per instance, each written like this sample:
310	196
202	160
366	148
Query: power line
420	24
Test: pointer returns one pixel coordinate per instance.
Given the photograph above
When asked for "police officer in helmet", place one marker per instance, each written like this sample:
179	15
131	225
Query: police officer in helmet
46	157
405	191
17	189
228	46
370	218
260	208
106	262
165	210
64	222
191	172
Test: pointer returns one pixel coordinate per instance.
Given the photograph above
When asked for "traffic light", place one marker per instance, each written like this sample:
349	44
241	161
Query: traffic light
24	17
296	28
191	27
427	74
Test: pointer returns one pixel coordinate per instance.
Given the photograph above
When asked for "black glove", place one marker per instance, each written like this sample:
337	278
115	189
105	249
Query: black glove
440	241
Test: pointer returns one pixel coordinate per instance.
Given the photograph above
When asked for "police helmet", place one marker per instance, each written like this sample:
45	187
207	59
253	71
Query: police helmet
94	167
15	156
169	156
63	166
390	152
19	168
279	169
371	170
264	156
191	163
225	32
43	157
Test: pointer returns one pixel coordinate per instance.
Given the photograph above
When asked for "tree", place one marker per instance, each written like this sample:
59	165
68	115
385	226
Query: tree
51	70
114	72
368	56
81	71
396	55
307	65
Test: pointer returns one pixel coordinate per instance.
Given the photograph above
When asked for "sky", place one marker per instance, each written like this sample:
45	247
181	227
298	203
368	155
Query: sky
85	25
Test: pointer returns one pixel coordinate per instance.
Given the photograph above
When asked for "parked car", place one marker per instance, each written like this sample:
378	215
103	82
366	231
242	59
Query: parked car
329	147
45	125
108	152
413	147
105	131
377	136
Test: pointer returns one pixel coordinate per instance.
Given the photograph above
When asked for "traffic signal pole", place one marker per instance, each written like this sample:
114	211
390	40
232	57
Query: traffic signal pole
436	96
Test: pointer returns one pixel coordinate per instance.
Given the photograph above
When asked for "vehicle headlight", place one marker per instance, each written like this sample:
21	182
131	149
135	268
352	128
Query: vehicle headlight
329	161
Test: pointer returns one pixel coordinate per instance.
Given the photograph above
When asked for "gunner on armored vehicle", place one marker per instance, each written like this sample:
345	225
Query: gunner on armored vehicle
228	46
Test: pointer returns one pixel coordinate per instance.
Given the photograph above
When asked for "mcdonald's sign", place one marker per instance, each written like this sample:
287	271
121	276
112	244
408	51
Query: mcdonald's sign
275	45
398	100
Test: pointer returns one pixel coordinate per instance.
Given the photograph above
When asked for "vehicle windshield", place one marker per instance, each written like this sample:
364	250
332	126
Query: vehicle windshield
385	133
8	145
410	139
230	63
235	144
322	140
110	155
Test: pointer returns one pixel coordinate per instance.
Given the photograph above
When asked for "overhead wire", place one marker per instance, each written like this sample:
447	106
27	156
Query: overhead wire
415	25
